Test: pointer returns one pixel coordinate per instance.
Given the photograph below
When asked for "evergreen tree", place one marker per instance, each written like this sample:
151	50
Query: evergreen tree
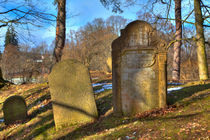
11	37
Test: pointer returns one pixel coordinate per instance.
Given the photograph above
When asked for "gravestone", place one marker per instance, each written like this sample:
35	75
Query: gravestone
139	70
14	109
1	73
71	94
2	82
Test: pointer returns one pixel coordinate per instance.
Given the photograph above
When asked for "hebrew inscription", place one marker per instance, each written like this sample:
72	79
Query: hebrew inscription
137	77
138	59
139	70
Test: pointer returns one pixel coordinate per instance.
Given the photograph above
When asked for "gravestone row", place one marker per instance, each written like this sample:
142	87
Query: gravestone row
139	80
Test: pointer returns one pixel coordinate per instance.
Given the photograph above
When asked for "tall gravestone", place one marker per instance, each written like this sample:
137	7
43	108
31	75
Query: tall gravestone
139	70
14	109
71	94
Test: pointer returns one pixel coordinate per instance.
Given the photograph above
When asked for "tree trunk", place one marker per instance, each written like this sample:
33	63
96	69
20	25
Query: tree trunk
200	41
177	44
60	30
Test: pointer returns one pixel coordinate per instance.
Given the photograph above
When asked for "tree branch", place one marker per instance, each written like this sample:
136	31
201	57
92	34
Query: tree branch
205	6
173	41
174	19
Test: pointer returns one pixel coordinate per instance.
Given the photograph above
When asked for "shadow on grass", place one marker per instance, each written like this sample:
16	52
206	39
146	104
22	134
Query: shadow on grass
186	116
36	90
111	121
176	96
100	126
35	112
74	109
103	81
4	83
29	131
2	127
41	109
104	104
41	130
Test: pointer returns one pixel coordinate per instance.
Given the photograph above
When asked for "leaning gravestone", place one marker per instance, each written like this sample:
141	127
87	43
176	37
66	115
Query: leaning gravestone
72	94
14	109
139	70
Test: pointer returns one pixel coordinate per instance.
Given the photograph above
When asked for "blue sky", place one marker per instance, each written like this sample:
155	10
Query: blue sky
79	12
84	11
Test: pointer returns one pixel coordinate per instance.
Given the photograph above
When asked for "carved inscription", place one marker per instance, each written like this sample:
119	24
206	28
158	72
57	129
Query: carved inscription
137	78
138	59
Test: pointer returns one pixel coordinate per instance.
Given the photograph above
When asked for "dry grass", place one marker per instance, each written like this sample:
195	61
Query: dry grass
187	117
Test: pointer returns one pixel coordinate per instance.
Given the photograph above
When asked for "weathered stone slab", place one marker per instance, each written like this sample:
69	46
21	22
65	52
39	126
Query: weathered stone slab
71	93
139	76
14	109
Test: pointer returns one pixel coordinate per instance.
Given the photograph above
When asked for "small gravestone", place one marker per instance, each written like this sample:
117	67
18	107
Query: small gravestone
72	94
2	82
0	73
14	109
139	70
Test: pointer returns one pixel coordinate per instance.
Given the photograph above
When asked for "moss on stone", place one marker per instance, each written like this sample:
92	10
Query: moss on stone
14	109
71	93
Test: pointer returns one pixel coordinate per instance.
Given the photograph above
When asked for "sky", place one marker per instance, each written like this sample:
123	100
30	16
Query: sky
79	12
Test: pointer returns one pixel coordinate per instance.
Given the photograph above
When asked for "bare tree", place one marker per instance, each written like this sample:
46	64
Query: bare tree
10	61
200	41
91	45
60	29
116	23
23	12
178	43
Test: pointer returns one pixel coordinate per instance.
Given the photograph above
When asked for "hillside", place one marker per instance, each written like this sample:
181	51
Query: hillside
187	116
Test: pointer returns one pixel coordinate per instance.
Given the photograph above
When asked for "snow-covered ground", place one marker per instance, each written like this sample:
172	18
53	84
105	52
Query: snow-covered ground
109	86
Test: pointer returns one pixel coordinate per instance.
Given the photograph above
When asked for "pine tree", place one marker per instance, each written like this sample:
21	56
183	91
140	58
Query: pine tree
7	37
11	37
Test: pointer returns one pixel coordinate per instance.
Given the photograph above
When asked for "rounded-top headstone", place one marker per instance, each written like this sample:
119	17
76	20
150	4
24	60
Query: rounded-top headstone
138	70
71	93
14	109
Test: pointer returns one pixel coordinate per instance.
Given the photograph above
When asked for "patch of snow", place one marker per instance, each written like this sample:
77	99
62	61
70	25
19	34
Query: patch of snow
1	120
175	83
173	89
97	84
94	78
108	86
104	86
98	91
129	138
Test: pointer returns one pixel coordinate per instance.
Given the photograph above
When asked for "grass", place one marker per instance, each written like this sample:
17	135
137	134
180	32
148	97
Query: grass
187	117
